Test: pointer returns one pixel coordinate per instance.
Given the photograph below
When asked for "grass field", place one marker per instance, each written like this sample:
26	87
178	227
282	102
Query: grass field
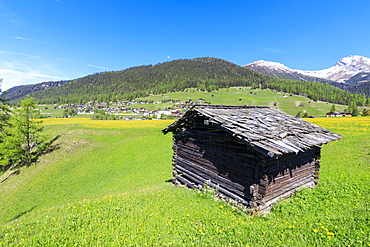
107	185
232	96
247	96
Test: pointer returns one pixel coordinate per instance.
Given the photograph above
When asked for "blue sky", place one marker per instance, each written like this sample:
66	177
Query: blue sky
48	40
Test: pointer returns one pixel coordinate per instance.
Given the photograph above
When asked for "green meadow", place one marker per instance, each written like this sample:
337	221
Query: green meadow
247	96
108	184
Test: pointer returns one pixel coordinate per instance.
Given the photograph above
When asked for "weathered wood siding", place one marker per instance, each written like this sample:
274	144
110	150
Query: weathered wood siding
201	156
284	175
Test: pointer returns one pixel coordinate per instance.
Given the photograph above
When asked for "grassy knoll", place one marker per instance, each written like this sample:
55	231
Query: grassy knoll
49	111
106	186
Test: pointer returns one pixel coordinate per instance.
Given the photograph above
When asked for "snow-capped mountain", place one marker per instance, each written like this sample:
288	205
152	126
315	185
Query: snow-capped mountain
270	66
281	71
340	72
343	70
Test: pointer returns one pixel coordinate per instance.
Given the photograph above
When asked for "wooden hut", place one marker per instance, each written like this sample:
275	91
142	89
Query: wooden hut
252	154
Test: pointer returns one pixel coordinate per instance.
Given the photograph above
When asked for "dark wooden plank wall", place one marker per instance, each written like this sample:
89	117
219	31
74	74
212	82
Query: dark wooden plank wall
283	176
201	156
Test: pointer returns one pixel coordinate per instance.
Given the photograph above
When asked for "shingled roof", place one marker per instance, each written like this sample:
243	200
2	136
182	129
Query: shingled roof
267	130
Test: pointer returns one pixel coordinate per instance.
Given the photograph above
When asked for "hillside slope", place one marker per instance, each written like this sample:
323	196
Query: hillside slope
19	92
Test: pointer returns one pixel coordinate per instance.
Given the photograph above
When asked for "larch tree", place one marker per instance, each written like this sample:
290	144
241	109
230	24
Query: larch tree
23	141
4	113
332	109
4	123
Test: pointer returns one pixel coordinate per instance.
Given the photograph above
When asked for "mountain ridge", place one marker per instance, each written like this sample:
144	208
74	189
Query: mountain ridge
342	70
349	73
281	71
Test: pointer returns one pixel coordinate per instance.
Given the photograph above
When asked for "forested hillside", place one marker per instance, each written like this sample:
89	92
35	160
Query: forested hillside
18	92
202	73
359	84
363	88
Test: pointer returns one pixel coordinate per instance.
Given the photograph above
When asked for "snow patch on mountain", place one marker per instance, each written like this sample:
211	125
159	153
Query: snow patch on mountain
271	65
341	71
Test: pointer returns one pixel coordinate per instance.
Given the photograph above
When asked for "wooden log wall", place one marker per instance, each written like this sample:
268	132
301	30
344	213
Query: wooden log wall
236	170
205	156
283	176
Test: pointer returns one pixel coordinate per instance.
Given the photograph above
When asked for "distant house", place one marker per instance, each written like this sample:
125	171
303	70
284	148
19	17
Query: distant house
338	114
254	155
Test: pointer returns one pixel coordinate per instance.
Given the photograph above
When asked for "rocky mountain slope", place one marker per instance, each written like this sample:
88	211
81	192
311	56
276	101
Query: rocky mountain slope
348	73
281	71
343	70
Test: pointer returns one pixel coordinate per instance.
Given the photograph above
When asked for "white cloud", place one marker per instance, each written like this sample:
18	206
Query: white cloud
22	38
98	67
7	53
9	15
20	69
30	39
12	78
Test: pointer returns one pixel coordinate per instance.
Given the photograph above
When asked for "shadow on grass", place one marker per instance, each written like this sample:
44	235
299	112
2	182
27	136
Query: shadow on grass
7	175
21	214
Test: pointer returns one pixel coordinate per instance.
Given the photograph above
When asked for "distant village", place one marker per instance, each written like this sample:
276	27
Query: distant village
129	110
136	110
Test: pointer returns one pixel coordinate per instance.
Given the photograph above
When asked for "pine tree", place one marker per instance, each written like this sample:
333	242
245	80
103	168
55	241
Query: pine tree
23	141
4	118
355	111
4	114
351	106
332	109
299	114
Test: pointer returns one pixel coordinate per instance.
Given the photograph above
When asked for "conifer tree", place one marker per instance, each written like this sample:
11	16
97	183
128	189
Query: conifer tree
299	114
23	141
4	118
355	111
4	112
350	107
332	109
